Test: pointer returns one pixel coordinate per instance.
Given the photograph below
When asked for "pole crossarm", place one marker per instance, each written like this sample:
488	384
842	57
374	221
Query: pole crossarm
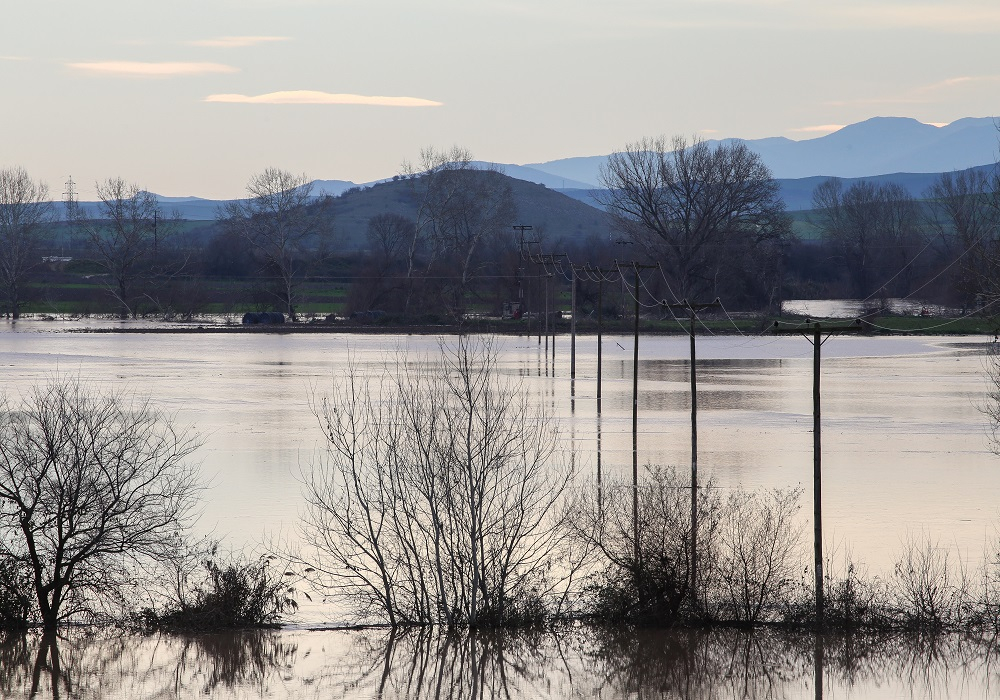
810	327
692	307
544	259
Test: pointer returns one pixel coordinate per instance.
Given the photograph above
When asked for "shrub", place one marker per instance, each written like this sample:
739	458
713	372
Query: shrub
231	594
15	603
758	553
930	594
653	587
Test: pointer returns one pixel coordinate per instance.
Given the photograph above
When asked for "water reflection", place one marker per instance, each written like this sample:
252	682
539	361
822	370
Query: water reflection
459	665
78	664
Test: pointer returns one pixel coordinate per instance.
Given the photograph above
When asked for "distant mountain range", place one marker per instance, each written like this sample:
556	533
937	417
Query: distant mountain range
895	149
877	146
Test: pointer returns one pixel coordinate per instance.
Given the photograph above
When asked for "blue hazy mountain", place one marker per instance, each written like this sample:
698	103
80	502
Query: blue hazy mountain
896	149
878	146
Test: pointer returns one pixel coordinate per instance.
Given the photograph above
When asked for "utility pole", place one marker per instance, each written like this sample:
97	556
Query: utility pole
545	259
572	331
692	309
600	336
602	276
521	228
636	267
817	330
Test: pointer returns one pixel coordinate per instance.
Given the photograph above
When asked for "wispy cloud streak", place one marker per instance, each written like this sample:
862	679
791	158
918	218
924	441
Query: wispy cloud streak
818	129
314	97
237	42
140	69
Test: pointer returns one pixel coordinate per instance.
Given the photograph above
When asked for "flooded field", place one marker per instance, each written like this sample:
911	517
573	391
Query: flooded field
906	453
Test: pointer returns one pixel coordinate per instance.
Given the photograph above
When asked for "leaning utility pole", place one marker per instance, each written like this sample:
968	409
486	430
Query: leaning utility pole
692	309
817	330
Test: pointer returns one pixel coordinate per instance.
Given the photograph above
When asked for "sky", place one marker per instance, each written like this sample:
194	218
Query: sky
193	97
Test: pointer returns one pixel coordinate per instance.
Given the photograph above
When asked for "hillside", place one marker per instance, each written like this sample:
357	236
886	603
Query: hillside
552	214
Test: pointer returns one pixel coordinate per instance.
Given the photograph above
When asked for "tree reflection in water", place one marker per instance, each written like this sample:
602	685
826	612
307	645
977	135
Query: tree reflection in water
468	665
106	664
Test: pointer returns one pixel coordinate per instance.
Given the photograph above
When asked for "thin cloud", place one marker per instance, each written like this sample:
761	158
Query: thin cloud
939	91
869	101
972	17
959	81
315	97
13	58
237	42
151	70
818	129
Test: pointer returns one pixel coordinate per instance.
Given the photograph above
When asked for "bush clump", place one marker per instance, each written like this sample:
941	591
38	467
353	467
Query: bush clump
15	604
231	594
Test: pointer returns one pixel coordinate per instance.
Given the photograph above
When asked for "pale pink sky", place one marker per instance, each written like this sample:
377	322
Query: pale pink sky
193	97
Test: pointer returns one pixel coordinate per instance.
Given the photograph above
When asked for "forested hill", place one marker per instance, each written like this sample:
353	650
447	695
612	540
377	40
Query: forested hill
552	214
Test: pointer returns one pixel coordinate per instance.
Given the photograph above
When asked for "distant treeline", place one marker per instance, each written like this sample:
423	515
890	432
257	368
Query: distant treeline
450	239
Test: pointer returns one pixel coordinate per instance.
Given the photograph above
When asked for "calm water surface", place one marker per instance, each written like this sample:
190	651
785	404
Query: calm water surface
905	453
569	663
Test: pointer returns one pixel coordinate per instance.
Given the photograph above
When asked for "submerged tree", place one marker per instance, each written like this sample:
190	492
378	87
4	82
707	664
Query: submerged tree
875	228
437	500
284	225
125	238
24	209
94	488
461	208
382	285
964	210
705	213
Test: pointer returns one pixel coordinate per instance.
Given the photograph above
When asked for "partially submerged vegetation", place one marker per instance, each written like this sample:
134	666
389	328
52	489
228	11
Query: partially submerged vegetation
443	499
435	505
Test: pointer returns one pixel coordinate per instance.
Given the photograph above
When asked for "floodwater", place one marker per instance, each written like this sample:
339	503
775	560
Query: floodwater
906	453
576	662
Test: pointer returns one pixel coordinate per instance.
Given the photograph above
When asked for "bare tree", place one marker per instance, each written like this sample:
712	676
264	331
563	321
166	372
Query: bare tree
460	207
876	230
691	207
284	225
125	238
964	210
94	487
389	235
24	209
437	499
